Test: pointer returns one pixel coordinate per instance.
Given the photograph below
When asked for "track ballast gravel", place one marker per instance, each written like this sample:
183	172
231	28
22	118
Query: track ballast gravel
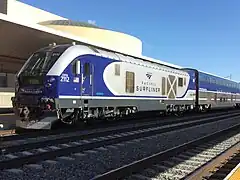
86	165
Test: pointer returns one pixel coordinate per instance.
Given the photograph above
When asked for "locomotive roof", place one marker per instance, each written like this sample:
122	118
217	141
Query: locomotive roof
113	54
103	51
75	51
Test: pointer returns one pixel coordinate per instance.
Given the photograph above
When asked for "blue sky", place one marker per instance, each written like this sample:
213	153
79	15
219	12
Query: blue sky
203	34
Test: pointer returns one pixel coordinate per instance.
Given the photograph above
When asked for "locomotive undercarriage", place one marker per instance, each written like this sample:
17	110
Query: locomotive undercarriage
179	109
86	114
43	114
34	112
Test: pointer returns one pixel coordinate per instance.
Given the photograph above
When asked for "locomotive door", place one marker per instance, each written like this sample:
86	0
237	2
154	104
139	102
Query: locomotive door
87	78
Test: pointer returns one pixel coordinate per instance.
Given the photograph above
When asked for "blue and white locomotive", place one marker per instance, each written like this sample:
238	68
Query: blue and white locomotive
71	83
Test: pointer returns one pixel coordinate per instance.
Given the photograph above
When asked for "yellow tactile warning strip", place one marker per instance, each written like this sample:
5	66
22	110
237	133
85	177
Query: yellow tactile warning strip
234	174
7	114
7	132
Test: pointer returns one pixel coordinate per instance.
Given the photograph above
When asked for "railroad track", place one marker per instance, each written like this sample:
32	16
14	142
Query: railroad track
180	162
137	131
68	148
19	135
9	143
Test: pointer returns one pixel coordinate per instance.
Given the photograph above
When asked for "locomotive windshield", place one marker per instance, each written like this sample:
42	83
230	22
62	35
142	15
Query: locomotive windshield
40	63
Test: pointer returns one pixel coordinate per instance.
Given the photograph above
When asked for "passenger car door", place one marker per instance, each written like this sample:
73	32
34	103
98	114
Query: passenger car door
87	78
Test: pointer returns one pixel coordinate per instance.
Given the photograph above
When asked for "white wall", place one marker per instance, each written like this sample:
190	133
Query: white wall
30	14
110	39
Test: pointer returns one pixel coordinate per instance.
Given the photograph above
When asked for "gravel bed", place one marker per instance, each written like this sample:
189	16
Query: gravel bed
92	131
79	133
90	163
4	156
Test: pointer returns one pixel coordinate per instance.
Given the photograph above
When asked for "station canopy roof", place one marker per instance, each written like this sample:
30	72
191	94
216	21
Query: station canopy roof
18	40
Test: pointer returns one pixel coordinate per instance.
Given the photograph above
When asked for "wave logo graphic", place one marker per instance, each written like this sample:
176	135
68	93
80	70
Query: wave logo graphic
149	75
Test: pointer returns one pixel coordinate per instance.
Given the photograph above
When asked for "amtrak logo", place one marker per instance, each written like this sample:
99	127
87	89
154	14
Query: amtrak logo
149	75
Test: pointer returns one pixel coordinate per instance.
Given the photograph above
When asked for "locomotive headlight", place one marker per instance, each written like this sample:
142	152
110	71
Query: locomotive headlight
50	82
48	85
52	79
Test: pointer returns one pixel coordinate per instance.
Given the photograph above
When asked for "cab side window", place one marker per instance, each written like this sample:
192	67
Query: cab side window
74	65
86	69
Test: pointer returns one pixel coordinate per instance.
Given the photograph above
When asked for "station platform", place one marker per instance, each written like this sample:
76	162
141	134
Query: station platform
8	121
5	100
234	174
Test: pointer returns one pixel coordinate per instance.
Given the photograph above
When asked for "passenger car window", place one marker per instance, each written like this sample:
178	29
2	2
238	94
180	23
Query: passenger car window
117	69
180	82
130	82
163	86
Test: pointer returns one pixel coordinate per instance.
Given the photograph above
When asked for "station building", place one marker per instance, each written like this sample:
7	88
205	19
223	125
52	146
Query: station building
24	29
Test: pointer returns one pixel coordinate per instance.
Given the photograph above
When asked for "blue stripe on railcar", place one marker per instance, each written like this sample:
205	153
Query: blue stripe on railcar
207	84
213	83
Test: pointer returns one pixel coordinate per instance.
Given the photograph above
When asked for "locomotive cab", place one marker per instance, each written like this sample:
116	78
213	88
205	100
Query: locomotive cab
35	90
